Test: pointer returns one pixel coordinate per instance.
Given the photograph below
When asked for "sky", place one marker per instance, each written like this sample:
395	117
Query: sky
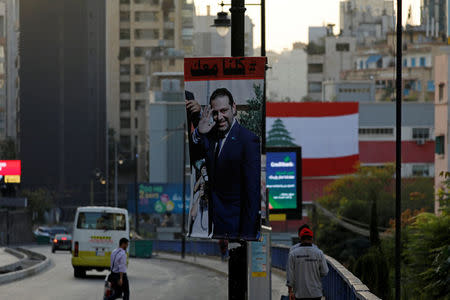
287	21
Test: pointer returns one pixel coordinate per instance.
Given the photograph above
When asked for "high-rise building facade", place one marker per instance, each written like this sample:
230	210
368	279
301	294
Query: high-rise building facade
63	48
367	20
9	68
433	16
147	28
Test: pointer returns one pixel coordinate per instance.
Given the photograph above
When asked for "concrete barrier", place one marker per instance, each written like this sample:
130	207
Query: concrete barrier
33	270
14	266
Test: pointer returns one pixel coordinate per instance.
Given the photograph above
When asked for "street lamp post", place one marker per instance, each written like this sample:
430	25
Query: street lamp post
237	265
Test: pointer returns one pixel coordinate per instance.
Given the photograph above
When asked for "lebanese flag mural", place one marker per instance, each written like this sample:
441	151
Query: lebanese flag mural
327	133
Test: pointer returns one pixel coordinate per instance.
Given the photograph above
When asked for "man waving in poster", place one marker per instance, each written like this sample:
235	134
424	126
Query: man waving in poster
234	165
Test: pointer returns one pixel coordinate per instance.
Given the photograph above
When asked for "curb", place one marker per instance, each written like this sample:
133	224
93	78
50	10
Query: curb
199	265
13	276
13	266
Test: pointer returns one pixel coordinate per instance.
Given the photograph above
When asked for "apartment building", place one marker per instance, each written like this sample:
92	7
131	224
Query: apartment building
327	63
147	29
442	120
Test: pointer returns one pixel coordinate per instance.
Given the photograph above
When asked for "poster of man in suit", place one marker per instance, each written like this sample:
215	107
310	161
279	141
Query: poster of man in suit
223	102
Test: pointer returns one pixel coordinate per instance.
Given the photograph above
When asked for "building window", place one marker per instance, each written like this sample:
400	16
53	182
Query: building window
315	68
169	34
441	92
139	104
440	146
124	53
421	133
172	62
343	47
405	62
124	87
124	16
361	64
139	87
315	87
146	16
420	170
146	34
422	61
124	34
413	62
136	123
376	131
124	1
125	142
124	69
125	123
430	86
140	51
139	69
125	105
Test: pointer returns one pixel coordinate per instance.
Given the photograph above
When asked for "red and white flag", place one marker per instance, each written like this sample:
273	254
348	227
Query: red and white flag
326	131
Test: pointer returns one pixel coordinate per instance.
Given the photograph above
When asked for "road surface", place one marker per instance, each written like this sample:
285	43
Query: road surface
149	279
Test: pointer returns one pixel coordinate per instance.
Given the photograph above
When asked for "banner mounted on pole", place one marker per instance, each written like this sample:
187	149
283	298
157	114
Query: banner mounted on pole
223	106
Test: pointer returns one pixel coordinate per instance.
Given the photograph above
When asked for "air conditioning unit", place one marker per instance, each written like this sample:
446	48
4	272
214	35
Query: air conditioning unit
420	141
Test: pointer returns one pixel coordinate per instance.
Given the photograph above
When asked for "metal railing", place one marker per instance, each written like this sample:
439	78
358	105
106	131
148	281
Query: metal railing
340	283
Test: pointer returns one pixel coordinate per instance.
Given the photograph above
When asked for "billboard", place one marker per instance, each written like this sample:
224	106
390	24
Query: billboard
10	170
159	198
327	132
224	144
283	180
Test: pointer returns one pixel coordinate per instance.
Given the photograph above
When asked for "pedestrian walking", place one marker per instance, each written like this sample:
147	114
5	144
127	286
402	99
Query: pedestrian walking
118	276
306	267
295	246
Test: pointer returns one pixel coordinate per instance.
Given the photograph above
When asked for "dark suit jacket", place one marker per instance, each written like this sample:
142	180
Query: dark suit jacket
235	183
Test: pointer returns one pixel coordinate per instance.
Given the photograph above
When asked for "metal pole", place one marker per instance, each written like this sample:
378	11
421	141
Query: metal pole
136	196
237	264
263	27
116	176
263	53
107	161
398	160
237	28
92	192
183	229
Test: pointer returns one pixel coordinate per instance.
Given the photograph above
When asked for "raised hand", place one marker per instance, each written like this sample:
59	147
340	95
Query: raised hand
193	106
206	121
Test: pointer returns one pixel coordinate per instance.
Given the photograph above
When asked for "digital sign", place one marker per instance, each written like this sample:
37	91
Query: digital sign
10	170
283	179
157	198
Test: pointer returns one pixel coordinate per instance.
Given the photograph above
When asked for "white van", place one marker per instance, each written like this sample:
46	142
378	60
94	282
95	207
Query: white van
96	233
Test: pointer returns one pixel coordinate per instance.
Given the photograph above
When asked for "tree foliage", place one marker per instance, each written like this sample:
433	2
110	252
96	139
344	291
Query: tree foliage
367	198
252	118
39	201
426	251
8	149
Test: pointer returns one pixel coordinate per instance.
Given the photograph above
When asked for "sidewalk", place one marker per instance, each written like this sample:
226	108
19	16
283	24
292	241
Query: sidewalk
216	265
6	258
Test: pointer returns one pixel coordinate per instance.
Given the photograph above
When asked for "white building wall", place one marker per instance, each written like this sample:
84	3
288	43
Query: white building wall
286	80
